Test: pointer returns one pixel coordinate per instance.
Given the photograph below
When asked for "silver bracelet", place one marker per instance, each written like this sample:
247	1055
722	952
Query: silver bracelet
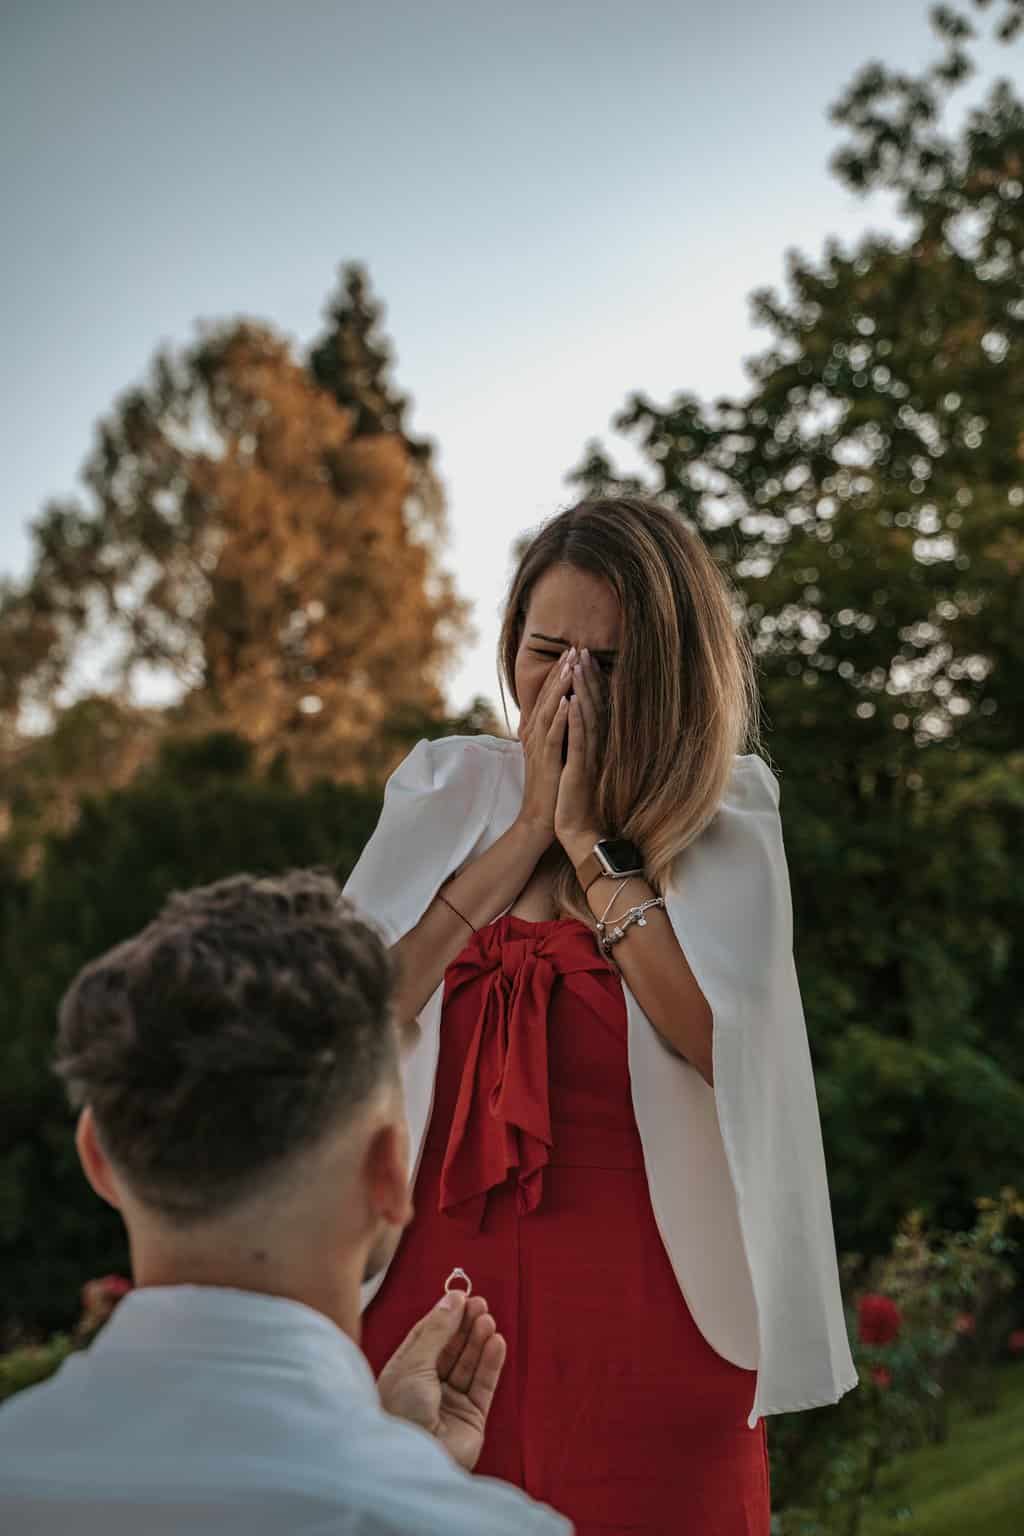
609	937
602	920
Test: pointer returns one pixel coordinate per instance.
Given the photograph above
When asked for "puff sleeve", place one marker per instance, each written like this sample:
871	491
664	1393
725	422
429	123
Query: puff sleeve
436	803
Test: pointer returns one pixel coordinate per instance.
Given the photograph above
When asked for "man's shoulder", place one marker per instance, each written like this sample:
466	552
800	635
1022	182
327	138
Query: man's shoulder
371	1475
40	1403
327	1460
405	1482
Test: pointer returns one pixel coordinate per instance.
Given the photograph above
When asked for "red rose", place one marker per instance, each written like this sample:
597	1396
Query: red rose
1015	1342
882	1377
99	1298
878	1319
115	1286
963	1324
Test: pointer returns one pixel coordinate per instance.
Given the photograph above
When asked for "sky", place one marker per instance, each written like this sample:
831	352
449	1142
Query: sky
559	201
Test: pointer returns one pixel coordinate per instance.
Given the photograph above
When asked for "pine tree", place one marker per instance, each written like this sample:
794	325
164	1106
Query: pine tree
352	361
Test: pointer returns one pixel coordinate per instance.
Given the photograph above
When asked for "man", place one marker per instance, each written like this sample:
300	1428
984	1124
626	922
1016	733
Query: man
236	1069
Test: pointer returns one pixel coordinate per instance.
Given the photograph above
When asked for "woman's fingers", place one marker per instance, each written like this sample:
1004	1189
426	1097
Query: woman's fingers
588	691
556	686
576	757
556	732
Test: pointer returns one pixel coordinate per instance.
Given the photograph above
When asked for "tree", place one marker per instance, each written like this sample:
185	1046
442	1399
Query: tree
95	744
255	542
352	361
867	496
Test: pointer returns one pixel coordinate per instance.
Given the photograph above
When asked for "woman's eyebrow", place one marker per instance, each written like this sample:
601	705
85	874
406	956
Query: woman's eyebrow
558	640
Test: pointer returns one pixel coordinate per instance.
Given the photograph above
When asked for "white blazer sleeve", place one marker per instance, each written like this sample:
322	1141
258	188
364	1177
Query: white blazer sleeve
729	904
435	804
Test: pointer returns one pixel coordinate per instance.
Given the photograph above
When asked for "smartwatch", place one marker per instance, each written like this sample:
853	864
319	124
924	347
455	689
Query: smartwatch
614	856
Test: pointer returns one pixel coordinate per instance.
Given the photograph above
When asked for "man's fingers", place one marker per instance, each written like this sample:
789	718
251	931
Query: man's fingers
424	1343
475	1307
463	1372
488	1373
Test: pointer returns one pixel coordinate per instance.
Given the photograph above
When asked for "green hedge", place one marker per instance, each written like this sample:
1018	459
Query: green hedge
200	814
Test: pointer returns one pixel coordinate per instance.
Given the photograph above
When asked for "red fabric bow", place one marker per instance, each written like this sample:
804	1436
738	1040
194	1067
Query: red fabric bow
502	1119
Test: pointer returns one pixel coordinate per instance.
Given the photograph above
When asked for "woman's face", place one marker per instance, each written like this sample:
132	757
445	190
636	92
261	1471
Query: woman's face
567	607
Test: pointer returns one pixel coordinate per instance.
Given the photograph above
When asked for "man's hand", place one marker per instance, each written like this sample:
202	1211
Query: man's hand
444	1375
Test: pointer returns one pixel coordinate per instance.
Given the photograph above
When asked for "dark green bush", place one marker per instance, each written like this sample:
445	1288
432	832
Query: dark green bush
199	814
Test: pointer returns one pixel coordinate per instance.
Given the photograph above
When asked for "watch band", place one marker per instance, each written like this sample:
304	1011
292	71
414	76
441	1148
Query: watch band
590	871
594	868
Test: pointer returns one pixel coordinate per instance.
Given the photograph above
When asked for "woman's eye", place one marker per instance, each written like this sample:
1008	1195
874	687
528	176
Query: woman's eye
547	655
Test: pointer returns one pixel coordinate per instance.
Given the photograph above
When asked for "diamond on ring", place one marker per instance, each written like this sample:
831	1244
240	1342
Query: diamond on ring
458	1274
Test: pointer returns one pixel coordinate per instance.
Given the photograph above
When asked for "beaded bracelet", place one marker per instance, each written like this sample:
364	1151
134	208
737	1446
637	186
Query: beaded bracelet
609	937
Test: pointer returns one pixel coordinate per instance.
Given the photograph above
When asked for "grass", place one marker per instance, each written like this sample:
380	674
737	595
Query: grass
971	1486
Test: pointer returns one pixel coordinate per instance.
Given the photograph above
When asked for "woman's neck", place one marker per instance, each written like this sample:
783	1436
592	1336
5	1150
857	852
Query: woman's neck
536	901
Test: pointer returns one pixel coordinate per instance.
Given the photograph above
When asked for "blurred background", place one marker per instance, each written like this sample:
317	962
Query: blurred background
311	313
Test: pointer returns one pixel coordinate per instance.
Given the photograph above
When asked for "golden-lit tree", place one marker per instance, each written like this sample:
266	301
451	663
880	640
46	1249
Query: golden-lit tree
242	542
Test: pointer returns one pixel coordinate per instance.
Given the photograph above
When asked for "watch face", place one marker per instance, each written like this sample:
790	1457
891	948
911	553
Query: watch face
620	855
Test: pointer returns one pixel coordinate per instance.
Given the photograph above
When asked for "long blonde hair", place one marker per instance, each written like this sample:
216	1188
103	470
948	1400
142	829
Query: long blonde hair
682	696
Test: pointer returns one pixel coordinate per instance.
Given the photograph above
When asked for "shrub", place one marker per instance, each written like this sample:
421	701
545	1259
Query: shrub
198	814
927	1317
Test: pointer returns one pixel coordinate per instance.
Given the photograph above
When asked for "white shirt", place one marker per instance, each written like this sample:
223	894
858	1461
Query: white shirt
736	1172
200	1411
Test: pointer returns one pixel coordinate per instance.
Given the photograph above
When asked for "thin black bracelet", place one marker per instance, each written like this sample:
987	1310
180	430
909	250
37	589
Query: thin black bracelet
448	904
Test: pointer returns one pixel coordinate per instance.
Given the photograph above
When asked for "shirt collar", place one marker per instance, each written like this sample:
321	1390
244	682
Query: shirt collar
220	1323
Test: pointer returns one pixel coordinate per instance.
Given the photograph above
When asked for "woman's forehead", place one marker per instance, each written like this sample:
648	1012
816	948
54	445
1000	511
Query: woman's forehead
576	608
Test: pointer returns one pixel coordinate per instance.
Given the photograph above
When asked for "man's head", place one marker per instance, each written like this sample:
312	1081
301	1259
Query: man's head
237	1069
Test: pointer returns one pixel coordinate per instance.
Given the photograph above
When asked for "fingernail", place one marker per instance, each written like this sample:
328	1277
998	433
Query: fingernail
585	656
449	1301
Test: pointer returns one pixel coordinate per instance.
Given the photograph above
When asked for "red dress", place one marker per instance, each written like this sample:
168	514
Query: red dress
612	1408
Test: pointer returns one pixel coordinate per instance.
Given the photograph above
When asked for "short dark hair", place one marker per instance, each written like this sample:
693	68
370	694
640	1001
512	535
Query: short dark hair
247	1019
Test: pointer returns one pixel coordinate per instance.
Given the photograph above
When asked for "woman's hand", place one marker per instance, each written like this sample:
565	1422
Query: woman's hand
543	737
577	826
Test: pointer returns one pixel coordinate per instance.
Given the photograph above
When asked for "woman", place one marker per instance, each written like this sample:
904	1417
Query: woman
610	1096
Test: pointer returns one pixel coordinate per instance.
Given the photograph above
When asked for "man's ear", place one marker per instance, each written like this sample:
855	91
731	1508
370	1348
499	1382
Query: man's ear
386	1173
94	1160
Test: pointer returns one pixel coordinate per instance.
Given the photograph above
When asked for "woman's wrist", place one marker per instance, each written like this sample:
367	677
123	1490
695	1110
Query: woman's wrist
534	838
477	899
580	845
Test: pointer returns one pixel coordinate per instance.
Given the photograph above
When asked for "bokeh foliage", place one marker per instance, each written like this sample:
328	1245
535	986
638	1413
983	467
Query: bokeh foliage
867	496
261	538
200	812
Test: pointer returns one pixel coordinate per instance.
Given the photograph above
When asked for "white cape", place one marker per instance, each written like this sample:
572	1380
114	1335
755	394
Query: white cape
736	1173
